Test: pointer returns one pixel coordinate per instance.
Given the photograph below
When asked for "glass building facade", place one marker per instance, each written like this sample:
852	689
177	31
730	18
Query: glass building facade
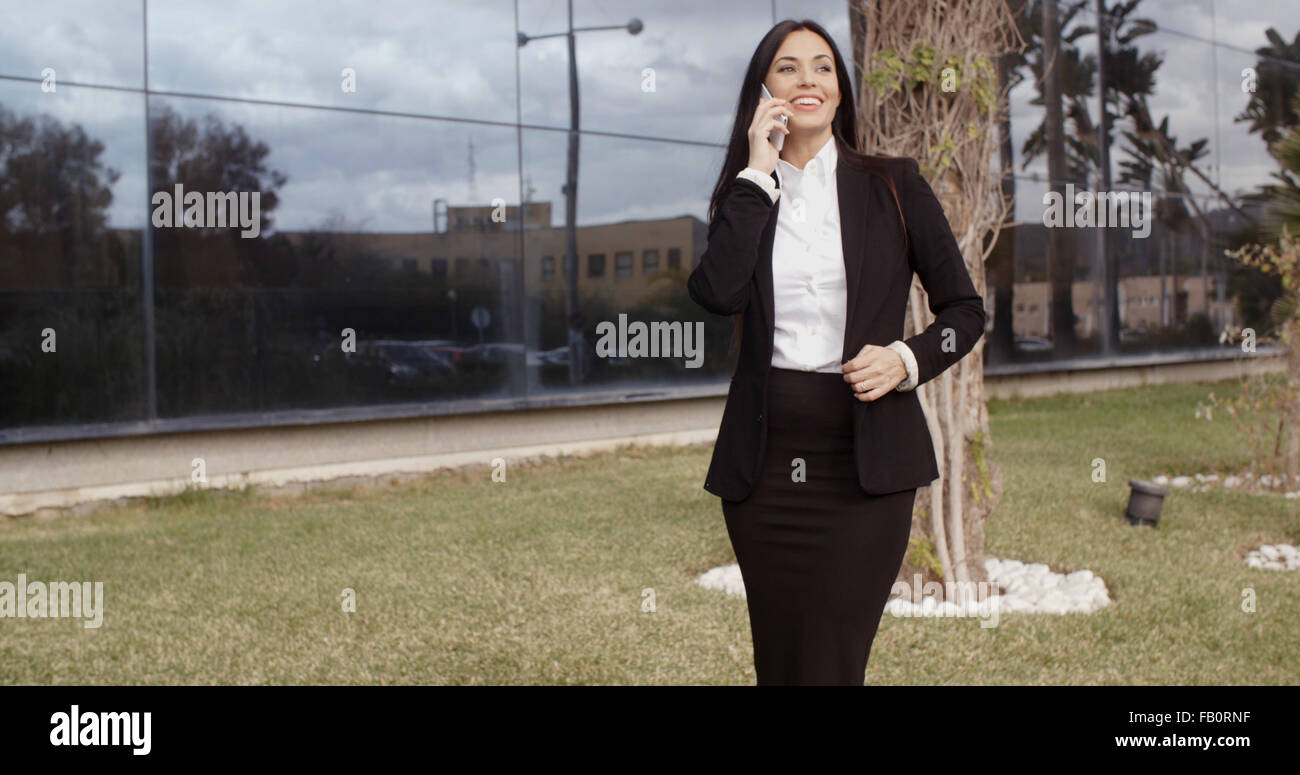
247	213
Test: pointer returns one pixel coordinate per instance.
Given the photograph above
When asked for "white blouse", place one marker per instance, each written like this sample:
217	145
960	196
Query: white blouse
810	294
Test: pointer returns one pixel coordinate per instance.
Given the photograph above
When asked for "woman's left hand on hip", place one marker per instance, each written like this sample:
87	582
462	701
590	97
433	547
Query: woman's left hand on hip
874	371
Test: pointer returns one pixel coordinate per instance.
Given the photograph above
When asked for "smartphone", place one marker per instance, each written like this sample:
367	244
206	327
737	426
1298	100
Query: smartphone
776	137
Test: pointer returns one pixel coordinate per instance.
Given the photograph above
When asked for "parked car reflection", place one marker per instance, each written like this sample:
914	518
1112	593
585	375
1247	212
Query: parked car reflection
556	356
408	362
1033	344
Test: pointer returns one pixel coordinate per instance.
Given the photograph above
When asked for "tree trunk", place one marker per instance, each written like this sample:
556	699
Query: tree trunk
1060	243
954	137
1001	344
1291	410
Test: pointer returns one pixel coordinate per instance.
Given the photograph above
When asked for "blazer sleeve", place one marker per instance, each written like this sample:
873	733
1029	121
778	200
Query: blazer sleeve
933	254
720	282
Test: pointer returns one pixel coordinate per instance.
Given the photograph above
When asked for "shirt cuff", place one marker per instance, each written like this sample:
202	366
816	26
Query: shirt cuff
757	176
909	360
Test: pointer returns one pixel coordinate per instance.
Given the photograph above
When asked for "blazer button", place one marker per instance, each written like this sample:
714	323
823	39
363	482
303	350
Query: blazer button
760	418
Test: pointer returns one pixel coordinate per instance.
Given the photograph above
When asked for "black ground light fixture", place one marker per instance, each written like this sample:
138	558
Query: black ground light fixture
1144	502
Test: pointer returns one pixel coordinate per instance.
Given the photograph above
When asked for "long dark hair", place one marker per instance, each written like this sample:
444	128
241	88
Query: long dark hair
844	125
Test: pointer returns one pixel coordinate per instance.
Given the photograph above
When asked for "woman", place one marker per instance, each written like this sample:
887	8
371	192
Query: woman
823	443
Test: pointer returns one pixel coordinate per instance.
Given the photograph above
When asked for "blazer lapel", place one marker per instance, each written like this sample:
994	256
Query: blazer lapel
765	287
853	191
865	201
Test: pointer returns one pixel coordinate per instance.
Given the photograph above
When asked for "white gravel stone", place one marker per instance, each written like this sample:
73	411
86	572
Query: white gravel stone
1079	577
1032	588
1207	482
1274	557
726	578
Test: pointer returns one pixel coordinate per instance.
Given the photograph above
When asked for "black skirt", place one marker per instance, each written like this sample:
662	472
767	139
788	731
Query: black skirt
818	556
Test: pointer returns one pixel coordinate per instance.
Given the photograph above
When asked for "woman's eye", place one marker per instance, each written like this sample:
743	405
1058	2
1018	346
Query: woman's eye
783	68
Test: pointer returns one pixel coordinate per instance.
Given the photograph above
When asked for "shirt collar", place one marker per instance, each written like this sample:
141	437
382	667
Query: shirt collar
826	159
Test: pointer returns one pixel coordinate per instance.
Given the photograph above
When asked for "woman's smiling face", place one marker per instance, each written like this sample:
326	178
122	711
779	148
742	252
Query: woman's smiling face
803	72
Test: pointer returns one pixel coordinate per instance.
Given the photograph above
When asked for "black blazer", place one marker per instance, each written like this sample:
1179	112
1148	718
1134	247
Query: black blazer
892	447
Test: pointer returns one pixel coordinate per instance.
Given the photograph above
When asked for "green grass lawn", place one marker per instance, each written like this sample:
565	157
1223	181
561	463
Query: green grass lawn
542	579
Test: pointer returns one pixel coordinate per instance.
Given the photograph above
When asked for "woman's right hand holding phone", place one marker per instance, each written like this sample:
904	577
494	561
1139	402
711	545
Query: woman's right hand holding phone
762	154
